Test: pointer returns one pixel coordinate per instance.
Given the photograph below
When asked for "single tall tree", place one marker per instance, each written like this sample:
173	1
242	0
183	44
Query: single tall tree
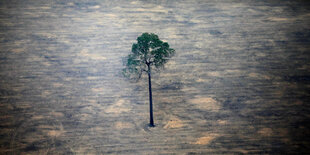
149	51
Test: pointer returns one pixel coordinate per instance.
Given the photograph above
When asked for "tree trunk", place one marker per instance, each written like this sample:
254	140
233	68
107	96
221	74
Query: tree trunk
150	92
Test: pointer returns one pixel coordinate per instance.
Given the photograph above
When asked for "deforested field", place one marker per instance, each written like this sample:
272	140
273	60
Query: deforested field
239	82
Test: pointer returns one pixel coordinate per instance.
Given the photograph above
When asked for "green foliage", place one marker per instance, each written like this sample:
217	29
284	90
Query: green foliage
148	51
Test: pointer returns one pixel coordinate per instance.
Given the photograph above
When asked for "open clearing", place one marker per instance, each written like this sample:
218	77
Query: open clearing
238	84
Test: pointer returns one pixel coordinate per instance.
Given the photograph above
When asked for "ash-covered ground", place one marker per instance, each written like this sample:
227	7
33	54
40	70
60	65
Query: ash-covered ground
238	84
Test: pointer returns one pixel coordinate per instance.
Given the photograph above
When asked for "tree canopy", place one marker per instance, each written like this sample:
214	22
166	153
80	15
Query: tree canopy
148	51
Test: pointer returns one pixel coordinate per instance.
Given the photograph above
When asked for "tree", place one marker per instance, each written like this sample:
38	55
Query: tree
149	51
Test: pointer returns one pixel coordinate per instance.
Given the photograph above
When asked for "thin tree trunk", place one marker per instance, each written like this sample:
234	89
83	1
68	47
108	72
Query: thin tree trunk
150	92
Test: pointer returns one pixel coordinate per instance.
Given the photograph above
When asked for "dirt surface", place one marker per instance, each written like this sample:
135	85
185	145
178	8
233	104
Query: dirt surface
238	84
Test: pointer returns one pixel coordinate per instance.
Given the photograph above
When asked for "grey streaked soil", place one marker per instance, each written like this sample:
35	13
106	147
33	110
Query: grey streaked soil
238	84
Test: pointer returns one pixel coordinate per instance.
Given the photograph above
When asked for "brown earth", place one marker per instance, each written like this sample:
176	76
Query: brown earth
238	84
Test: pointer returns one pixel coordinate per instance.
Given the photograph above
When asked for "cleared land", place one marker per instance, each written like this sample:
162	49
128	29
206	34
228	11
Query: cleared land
239	82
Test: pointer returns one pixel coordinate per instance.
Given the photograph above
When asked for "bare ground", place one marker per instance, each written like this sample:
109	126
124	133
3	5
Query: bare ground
238	84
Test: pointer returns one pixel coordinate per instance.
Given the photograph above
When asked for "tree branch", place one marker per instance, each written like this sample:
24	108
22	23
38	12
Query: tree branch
143	70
